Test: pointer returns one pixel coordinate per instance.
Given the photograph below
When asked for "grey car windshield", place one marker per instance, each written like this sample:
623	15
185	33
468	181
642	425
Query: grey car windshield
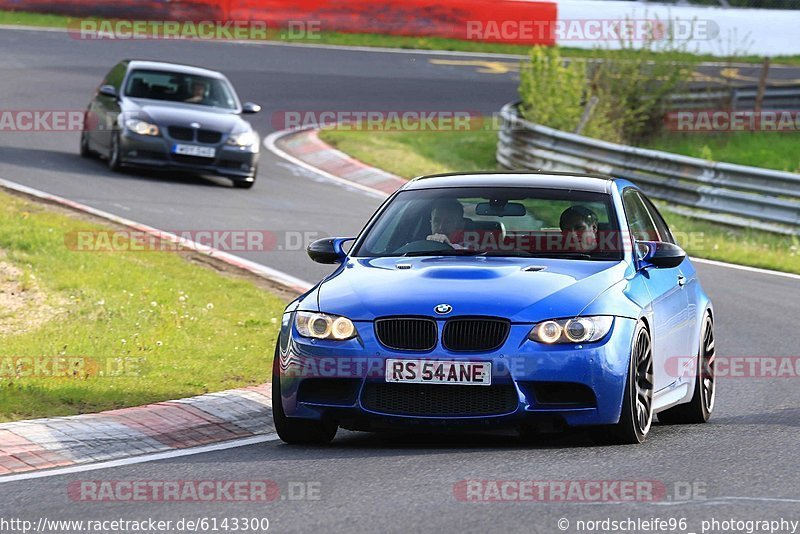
488	221
179	87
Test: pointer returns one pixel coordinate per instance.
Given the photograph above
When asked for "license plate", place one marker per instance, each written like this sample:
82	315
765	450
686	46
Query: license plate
194	150
439	372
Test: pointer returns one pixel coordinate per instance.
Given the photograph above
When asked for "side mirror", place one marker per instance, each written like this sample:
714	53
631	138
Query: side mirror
249	107
108	90
659	254
328	250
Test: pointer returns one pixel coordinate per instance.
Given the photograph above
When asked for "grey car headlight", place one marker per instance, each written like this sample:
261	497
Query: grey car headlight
248	138
141	127
324	326
575	330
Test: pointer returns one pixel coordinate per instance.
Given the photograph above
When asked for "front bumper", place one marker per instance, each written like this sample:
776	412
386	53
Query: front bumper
569	385
156	153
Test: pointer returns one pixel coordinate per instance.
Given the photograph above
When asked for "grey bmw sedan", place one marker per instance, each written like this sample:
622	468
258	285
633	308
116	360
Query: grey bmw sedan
158	115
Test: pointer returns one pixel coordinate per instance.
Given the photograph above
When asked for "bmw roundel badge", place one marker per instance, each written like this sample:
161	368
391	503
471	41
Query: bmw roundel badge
443	309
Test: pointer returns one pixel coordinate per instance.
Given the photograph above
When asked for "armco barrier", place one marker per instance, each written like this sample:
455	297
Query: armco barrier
737	98
734	194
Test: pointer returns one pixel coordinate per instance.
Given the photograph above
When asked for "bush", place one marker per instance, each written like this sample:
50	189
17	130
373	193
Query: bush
552	91
631	91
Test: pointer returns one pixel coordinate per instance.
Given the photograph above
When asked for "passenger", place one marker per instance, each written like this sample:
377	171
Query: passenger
579	225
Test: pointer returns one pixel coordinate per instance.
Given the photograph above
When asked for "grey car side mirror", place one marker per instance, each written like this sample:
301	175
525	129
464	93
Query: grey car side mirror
249	107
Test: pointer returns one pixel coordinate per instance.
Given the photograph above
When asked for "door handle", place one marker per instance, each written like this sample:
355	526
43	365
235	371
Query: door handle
681	280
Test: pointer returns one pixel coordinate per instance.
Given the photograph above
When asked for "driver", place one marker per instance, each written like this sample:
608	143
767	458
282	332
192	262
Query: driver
447	223
579	225
198	92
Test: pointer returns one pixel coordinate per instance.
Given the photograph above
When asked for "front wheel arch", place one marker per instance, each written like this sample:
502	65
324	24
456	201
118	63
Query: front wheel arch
635	421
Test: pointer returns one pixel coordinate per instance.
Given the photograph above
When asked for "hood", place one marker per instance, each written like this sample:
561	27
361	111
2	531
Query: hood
179	114
521	289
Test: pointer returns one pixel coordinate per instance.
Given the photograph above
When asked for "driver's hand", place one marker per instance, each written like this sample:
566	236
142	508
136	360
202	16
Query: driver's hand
440	238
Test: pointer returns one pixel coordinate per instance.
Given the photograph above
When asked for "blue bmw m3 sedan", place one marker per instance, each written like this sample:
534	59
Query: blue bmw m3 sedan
533	301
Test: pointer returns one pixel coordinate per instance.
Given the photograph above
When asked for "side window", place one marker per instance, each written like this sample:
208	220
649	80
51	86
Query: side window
661	225
640	223
115	76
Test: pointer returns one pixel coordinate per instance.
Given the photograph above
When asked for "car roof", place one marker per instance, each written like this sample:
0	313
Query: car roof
549	180
173	67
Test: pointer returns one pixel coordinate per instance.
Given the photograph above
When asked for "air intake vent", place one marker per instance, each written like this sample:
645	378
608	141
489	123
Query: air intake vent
407	333
209	136
534	269
181	133
439	399
475	334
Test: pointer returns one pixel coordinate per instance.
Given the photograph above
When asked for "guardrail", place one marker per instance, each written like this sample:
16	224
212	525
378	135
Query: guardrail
732	194
738	98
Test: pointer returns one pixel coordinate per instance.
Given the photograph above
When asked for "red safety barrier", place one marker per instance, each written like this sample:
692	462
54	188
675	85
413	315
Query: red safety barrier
457	19
188	10
483	20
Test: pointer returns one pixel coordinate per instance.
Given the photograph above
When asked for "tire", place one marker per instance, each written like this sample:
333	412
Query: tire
699	409
637	402
114	162
85	151
239	184
296	431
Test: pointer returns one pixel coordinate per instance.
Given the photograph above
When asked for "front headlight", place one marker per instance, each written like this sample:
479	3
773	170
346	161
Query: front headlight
324	326
248	138
575	330
141	127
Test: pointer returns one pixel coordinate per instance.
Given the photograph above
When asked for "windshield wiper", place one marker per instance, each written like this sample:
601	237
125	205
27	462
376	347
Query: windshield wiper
507	253
528	254
441	252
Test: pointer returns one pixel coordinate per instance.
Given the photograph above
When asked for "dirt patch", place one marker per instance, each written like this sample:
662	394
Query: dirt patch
23	305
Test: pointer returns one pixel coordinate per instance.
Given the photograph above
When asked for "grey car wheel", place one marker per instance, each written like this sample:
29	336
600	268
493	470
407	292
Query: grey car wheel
114	162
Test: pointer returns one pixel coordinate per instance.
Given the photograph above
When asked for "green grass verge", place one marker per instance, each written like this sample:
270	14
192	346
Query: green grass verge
772	150
180	327
410	154
399	41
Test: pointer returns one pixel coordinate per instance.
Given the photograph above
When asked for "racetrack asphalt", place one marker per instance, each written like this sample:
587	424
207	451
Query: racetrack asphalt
744	461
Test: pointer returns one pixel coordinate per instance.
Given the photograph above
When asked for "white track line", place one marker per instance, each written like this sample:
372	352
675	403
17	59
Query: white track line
269	273
270	143
737	267
166	455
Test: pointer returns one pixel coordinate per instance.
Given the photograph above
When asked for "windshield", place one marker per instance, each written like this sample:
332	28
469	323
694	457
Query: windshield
177	87
487	221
